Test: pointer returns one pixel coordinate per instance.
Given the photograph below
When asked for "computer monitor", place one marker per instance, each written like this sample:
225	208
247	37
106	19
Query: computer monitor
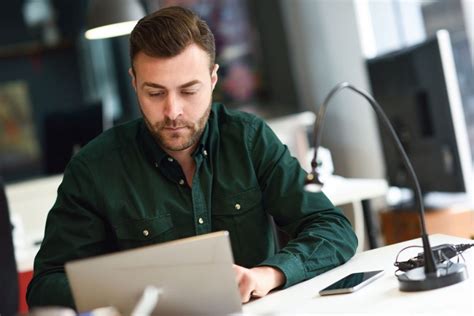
65	132
418	89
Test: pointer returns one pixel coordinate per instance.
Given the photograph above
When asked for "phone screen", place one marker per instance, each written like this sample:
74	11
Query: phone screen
351	283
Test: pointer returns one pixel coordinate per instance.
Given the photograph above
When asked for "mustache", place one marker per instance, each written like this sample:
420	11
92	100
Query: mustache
168	123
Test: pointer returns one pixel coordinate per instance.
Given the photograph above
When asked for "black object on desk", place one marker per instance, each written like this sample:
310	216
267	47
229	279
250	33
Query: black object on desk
8	271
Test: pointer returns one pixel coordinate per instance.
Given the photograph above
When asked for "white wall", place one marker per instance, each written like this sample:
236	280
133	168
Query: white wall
325	49
388	37
387	25
468	9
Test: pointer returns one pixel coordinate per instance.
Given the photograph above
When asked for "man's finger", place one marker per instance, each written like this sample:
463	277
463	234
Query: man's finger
244	288
254	293
239	273
246	293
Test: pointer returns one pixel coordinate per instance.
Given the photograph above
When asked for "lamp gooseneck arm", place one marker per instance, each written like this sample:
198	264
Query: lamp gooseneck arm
430	266
318	127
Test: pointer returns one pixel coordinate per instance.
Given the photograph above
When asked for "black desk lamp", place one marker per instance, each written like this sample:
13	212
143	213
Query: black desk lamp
432	275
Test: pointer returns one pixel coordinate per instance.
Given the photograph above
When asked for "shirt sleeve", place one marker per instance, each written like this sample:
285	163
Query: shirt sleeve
321	237
74	229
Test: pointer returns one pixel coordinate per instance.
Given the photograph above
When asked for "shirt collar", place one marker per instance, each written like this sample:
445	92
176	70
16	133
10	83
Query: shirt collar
154	153
203	141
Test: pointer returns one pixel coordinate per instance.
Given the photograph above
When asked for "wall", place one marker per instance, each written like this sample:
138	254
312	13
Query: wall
468	9
325	50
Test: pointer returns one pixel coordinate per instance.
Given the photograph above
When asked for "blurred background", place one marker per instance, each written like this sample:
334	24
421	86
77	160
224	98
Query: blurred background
277	58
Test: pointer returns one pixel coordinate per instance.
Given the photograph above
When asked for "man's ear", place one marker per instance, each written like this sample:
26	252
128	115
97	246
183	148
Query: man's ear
214	76
134	81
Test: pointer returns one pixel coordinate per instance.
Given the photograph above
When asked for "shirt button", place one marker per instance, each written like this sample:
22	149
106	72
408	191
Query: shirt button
237	206
181	182
204	153
146	232
156	165
170	159
200	220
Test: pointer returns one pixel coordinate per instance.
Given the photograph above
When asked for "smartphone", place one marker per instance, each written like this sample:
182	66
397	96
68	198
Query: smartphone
351	283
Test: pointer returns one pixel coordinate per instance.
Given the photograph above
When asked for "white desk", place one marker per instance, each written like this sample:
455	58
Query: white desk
30	202
351	190
381	297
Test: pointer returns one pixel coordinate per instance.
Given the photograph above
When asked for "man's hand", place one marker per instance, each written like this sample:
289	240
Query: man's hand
258	281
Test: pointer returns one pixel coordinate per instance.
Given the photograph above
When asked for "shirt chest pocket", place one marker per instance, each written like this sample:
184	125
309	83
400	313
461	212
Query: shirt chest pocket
237	205
240	214
141	232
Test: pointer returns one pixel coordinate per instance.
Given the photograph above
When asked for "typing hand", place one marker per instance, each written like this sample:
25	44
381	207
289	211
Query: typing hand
258	281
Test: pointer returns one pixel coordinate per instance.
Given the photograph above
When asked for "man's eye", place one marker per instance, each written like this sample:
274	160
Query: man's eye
155	94
186	92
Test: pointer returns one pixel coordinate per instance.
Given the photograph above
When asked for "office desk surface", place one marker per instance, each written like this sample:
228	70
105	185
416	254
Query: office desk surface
29	203
381	297
349	190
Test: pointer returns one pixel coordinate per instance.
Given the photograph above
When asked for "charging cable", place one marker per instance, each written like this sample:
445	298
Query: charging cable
441	253
445	252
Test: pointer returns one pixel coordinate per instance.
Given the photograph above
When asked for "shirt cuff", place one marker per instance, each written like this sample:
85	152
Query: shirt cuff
291	266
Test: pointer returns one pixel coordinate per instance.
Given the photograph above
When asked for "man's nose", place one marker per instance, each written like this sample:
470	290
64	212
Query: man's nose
173	107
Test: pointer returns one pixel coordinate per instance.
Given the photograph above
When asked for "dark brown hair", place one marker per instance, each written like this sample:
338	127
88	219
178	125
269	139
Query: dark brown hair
168	31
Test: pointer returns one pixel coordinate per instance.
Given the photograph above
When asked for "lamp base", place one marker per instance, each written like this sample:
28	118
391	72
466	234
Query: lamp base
448	273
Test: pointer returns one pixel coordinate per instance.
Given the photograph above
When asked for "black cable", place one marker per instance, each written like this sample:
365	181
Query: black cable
446	251
441	253
406	265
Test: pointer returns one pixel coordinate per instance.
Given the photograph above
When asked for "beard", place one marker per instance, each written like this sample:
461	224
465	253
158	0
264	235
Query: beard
187	133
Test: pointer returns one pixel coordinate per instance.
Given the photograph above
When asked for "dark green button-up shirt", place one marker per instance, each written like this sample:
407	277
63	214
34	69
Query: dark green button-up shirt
123	191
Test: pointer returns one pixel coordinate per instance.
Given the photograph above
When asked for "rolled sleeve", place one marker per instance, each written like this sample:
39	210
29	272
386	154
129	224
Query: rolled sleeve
289	265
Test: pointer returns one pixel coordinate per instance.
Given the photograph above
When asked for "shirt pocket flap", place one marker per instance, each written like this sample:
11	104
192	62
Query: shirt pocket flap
239	203
143	229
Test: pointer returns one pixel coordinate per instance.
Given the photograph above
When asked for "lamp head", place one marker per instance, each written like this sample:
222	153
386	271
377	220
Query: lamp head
109	18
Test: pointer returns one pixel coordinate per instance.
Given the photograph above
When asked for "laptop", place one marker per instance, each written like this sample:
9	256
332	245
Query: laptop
194	275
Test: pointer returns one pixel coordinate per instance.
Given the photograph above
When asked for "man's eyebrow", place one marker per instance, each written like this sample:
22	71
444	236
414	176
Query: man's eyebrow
158	86
189	84
152	85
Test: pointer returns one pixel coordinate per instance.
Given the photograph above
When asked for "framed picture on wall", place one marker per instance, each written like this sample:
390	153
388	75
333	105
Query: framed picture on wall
19	145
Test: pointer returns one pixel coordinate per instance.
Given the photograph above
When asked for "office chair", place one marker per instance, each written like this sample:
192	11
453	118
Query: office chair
8	270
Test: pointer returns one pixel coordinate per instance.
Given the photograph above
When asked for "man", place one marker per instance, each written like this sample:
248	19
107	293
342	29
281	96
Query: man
187	168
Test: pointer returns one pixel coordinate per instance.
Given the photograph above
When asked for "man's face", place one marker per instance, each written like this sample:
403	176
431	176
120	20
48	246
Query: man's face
175	95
